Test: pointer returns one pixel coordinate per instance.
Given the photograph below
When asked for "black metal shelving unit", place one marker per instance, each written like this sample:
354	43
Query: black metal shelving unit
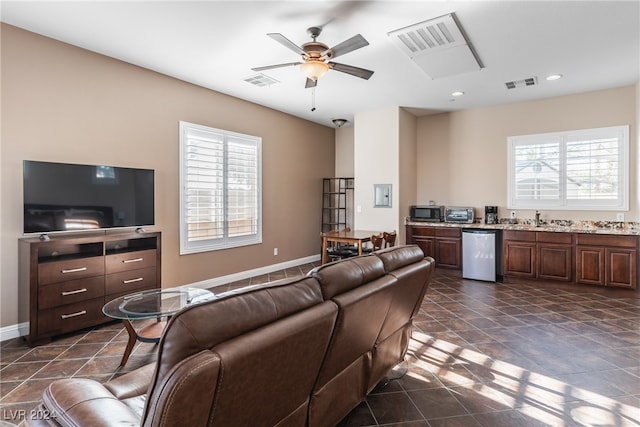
337	203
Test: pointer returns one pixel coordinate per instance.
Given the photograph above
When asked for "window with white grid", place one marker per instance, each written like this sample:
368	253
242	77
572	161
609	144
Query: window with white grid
575	170
220	197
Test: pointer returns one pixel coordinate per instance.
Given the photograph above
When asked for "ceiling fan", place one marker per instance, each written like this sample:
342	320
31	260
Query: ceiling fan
315	56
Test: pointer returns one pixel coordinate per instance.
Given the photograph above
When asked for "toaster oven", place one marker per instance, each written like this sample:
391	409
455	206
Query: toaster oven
459	214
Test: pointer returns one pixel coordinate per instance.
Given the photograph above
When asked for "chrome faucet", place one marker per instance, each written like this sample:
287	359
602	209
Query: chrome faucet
537	219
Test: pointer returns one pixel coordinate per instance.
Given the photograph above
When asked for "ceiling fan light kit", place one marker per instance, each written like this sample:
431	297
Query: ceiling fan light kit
314	69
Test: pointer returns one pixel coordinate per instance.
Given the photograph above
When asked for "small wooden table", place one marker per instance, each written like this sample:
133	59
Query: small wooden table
150	304
354	237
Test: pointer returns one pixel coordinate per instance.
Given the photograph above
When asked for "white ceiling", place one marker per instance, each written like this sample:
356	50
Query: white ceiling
594	44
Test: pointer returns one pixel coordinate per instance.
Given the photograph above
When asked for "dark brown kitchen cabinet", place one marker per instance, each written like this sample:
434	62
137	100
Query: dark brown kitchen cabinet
449	248
519	254
424	237
444	244
555	256
590	265
66	280
538	255
607	260
620	267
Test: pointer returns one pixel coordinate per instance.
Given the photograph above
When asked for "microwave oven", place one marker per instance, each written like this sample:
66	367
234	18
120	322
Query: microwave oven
458	214
427	213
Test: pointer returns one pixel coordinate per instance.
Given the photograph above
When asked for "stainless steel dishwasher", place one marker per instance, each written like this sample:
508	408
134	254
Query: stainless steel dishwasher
481	254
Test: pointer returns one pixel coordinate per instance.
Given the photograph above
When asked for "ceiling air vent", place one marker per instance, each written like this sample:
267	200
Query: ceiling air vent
261	80
531	81
438	46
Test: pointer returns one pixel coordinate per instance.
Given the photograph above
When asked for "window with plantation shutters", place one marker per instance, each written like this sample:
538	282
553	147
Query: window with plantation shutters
575	170
220	189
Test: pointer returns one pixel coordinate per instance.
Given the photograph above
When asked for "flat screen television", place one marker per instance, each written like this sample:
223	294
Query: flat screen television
73	197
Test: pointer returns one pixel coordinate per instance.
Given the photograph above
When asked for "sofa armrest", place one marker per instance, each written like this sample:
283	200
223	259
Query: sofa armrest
132	384
83	402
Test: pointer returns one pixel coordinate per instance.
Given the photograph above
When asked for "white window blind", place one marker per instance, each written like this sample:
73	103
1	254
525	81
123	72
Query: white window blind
220	189
585	169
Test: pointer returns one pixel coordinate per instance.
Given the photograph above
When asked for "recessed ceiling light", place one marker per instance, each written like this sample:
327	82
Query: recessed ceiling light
554	77
457	93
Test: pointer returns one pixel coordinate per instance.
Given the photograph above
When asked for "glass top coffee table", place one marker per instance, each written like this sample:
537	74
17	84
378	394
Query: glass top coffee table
151	304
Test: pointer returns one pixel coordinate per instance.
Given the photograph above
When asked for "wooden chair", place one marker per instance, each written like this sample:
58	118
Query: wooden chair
389	239
377	241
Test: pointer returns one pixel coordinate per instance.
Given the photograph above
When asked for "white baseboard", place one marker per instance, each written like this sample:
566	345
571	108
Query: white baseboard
223	280
21	329
14	331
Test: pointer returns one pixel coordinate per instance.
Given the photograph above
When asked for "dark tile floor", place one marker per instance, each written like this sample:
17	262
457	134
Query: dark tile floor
482	354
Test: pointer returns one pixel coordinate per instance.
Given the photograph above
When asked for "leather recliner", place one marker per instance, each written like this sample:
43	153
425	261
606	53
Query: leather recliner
378	297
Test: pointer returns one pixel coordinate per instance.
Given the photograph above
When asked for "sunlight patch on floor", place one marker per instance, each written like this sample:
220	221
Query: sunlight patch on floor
538	396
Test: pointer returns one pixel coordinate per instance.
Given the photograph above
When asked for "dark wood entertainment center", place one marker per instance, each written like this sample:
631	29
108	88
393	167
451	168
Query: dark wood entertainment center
70	277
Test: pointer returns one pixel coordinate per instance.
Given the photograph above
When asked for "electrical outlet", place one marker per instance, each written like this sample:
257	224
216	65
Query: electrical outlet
275	251
619	216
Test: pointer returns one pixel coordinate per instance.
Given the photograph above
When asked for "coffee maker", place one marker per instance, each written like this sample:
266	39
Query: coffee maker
490	214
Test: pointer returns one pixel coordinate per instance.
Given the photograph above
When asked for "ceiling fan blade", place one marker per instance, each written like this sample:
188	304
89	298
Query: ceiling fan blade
350	69
286	42
310	83
355	42
268	67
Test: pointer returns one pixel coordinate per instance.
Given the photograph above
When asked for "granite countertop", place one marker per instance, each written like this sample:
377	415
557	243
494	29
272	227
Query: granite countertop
558	226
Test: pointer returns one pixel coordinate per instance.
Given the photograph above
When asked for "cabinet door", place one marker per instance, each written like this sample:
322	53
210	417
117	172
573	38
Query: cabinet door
621	267
520	259
590	265
427	244
555	262
448	253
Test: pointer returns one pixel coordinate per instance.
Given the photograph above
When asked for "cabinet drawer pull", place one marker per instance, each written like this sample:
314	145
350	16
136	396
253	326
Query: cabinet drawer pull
79	313
127	261
74	270
137	279
77	291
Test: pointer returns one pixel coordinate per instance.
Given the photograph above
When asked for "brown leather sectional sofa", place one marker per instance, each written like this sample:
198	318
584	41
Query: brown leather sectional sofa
300	352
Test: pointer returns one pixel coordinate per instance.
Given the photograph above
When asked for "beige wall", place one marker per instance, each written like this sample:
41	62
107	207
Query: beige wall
376	160
407	169
432	156
64	104
384	144
384	152
344	152
462	156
